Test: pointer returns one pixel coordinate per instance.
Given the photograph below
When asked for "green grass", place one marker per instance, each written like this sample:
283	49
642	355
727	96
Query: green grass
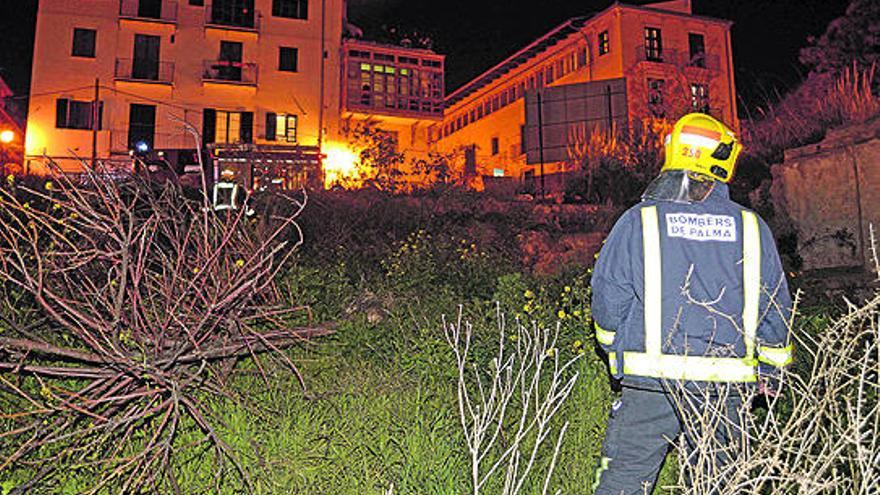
381	407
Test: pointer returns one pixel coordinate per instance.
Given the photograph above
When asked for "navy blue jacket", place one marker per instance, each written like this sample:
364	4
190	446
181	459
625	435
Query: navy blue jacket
702	294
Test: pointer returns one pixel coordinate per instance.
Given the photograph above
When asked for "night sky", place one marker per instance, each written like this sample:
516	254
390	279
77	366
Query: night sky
477	34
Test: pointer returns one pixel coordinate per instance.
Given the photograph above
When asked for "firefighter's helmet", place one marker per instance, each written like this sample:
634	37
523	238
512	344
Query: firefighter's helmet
702	144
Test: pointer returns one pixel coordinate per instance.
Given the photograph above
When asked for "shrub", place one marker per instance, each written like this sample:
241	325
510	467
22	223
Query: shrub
138	299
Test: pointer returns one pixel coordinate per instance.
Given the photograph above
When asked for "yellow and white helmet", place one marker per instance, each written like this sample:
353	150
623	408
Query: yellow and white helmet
701	143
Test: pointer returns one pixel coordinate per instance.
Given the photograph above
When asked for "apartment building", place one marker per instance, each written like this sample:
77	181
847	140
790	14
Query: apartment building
396	89
239	72
659	60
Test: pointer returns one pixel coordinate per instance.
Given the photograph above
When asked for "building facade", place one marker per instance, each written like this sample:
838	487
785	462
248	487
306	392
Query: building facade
281	76
396	90
260	72
670	62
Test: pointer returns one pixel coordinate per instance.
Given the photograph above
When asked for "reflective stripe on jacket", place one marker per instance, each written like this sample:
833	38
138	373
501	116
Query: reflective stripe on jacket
691	292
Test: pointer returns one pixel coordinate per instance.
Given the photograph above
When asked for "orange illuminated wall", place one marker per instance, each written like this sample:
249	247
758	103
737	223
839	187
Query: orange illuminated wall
252	71
672	60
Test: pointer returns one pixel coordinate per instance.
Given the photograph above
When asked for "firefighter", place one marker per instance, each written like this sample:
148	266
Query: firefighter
688	294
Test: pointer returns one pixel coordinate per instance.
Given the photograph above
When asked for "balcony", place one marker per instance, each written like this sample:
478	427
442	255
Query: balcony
164	11
664	56
235	19
680	59
707	61
227	72
148	71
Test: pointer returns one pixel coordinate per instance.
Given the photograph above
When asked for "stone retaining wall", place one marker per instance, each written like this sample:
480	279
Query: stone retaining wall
831	193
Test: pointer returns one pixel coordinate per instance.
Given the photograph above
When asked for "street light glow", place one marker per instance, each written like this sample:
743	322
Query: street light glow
7	136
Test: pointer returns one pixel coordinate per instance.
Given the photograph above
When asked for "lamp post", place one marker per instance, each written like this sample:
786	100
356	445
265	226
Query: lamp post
7	136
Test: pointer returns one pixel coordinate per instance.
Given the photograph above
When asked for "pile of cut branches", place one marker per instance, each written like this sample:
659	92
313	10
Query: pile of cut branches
124	305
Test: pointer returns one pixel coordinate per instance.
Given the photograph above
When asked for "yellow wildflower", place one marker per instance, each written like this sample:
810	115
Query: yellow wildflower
567	289
49	185
529	294
239	262
561	314
551	352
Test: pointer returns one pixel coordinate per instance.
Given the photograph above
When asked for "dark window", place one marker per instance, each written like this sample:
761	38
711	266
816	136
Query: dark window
73	114
655	97
199	3
522	139
700	97
470	160
653	44
145	61
141	126
229	66
238	13
697	45
582	57
292	9
150	9
287	59
271	127
84	42
604	44
494	145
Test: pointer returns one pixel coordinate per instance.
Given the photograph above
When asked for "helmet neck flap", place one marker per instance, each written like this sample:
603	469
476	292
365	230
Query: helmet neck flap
679	186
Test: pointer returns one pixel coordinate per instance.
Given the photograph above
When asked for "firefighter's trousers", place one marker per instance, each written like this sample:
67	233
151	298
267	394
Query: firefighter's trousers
643	425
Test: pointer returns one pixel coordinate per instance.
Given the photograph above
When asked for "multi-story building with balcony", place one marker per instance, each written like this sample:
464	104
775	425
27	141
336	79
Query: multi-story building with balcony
260	72
398	90
616	66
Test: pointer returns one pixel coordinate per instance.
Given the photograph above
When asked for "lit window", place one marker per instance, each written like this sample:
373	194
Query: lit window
604	44
700	97
498	172
653	44
233	127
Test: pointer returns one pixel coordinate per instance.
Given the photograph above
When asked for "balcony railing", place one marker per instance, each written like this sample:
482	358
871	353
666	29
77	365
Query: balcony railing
681	59
149	10
664	56
144	70
224	71
229	18
708	61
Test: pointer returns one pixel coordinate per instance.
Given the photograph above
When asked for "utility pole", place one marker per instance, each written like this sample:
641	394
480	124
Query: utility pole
95	124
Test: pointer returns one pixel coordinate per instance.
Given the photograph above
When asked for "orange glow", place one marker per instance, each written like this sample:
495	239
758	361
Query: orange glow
341	165
35	140
6	136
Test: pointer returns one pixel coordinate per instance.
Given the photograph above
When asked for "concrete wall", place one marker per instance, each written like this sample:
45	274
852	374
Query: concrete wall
831	193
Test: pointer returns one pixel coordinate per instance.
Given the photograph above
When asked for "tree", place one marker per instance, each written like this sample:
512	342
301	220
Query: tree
852	39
